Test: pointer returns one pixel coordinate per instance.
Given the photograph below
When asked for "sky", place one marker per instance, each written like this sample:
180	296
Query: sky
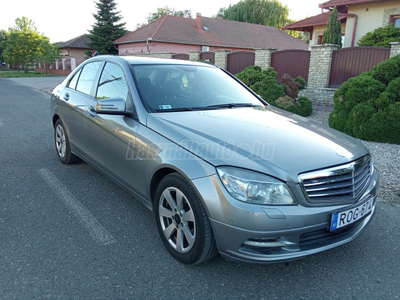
63	20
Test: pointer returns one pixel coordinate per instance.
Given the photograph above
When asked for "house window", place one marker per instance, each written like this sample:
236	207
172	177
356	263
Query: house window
395	21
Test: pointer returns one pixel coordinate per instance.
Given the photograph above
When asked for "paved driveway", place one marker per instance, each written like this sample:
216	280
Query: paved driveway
45	84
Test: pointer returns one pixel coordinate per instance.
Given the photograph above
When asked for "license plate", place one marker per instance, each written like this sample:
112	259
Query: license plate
350	216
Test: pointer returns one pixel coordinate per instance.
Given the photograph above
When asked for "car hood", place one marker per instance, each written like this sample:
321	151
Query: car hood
264	139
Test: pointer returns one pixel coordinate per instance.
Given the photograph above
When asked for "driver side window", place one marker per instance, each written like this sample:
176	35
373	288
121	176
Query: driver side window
112	83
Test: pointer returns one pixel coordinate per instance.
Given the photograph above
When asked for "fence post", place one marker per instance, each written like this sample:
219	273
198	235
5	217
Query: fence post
194	55
394	48
263	57
73	63
320	65
221	58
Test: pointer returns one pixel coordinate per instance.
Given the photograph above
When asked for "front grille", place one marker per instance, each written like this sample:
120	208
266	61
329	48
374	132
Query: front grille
342	183
323	237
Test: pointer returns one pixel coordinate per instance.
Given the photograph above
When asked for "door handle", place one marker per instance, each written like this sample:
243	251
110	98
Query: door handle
92	111
66	97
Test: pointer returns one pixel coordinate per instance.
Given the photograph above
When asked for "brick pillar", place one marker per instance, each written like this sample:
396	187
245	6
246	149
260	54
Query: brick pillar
394	48
320	66
221	58
194	55
263	57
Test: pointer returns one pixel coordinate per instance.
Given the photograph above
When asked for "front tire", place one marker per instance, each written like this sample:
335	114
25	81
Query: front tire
182	221
61	141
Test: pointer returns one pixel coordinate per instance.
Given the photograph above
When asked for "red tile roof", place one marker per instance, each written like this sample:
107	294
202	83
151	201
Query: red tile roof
321	19
333	3
221	33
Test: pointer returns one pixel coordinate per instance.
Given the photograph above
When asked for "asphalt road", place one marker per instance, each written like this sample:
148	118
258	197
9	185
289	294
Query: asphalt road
68	232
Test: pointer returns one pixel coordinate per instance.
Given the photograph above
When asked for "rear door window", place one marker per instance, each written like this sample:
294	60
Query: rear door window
88	75
74	80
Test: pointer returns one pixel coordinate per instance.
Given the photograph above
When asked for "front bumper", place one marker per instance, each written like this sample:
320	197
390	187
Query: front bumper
267	234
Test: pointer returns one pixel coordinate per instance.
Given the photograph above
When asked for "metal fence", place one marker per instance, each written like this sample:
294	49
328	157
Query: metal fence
351	62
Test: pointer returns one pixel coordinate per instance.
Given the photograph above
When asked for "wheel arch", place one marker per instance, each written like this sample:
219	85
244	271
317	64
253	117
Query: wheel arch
156	179
54	119
163	172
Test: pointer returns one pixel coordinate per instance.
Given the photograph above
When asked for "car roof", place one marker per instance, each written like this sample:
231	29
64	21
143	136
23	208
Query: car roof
139	60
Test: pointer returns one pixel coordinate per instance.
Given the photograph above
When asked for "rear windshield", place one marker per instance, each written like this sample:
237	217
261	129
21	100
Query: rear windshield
177	87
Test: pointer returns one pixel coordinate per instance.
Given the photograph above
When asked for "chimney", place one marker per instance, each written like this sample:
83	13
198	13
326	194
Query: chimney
198	21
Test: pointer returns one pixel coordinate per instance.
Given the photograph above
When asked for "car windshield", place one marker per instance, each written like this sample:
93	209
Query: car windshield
184	87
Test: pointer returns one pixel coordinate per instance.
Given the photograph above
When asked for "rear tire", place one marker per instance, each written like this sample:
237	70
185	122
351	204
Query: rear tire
61	141
182	221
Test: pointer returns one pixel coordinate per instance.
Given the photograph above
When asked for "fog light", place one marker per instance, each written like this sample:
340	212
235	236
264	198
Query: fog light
265	243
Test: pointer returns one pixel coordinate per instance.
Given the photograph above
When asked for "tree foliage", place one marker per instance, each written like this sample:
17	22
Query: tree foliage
106	28
381	37
23	42
301	35
264	12
47	53
333	34
163	11
166	11
3	37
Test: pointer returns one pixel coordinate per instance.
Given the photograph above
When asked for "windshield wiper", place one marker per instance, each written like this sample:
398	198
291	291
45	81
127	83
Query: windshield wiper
209	107
231	105
174	109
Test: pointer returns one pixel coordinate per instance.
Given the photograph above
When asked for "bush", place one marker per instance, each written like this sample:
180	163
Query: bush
251	75
302	106
386	71
301	81
263	82
290	87
381	37
368	106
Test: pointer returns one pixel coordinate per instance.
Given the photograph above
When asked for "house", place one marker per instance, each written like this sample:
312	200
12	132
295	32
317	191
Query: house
183	35
358	17
75	48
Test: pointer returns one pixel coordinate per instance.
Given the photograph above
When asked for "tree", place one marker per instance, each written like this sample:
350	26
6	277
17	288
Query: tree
301	35
381	37
47	53
333	34
3	37
106	29
264	12
163	11
22	44
166	11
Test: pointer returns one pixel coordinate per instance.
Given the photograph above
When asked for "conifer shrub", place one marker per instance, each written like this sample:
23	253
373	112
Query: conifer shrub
368	106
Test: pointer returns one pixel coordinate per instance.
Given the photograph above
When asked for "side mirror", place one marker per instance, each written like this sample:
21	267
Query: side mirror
111	106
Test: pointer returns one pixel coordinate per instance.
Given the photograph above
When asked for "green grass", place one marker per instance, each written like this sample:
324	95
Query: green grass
16	74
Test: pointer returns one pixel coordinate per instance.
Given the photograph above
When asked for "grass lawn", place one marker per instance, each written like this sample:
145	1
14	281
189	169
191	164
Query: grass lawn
14	74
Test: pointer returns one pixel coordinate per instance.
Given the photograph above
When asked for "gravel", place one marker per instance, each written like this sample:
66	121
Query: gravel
386	158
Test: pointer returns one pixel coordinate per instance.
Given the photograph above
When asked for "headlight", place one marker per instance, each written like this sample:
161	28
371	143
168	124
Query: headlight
254	187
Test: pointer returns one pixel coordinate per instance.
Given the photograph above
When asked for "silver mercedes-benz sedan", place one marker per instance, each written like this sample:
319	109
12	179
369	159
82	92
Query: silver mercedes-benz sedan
223	171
